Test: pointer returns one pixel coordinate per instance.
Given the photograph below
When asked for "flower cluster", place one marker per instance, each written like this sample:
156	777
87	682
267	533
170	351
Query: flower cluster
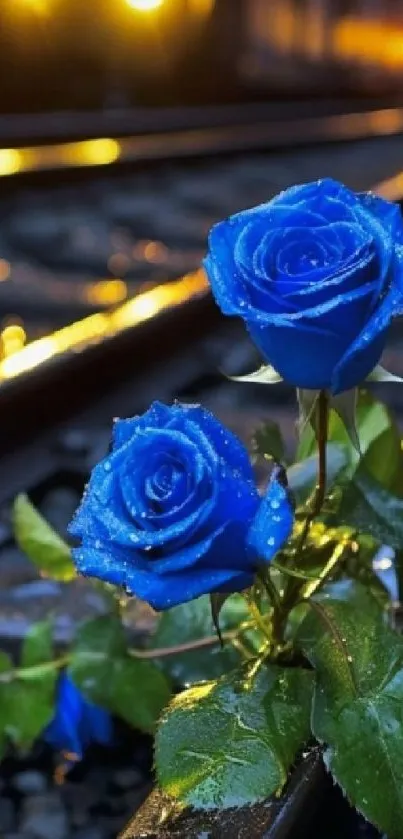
173	512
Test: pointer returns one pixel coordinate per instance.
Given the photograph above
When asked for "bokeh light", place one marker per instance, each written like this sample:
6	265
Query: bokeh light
10	161
12	339
144	5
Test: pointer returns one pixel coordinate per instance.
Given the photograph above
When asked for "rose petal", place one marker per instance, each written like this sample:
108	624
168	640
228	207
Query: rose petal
273	522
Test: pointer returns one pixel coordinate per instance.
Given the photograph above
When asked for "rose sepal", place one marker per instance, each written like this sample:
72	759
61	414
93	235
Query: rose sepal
265	375
379	374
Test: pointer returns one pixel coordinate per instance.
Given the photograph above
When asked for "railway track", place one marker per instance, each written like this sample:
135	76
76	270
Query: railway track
65	126
102	271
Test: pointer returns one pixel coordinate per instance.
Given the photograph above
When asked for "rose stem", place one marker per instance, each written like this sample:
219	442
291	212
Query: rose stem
188	646
321	429
270	587
292	592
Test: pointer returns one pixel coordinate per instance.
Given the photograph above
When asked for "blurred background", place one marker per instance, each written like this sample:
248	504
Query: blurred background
127	128
64	54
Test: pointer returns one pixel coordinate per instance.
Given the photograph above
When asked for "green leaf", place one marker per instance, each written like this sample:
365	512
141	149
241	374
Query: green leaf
367	507
6	666
358	700
191	622
268	442
133	689
40	542
379	438
232	742
302	476
38	645
27	699
345	406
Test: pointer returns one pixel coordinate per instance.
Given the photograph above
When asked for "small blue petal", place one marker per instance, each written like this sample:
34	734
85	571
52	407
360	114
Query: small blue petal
273	522
77	722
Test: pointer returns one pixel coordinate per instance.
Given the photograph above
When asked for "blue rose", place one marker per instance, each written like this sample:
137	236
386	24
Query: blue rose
77	722
167	513
316	274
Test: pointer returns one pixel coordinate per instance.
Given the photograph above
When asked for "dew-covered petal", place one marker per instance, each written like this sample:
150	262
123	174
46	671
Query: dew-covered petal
107	562
226	445
124	429
146	456
313	191
189	555
359	304
273	522
164	592
305	356
361	267
364	353
386	212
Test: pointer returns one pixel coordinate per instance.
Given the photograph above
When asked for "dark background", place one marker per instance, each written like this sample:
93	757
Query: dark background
69	54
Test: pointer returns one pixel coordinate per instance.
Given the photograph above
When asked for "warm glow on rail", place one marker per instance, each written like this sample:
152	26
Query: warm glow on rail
78	336
106	292
12	339
201	8
100	152
392	188
39	6
371	42
10	161
145	5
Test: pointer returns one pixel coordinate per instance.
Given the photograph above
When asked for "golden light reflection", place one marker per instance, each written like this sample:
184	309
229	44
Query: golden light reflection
100	152
106	292
392	188
90	152
12	339
389	121
371	42
38	6
5	270
155	252
145	5
77	336
10	161
201	8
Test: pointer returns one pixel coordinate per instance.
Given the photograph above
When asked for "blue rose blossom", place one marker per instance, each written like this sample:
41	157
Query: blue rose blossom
167	513
317	276
77	722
